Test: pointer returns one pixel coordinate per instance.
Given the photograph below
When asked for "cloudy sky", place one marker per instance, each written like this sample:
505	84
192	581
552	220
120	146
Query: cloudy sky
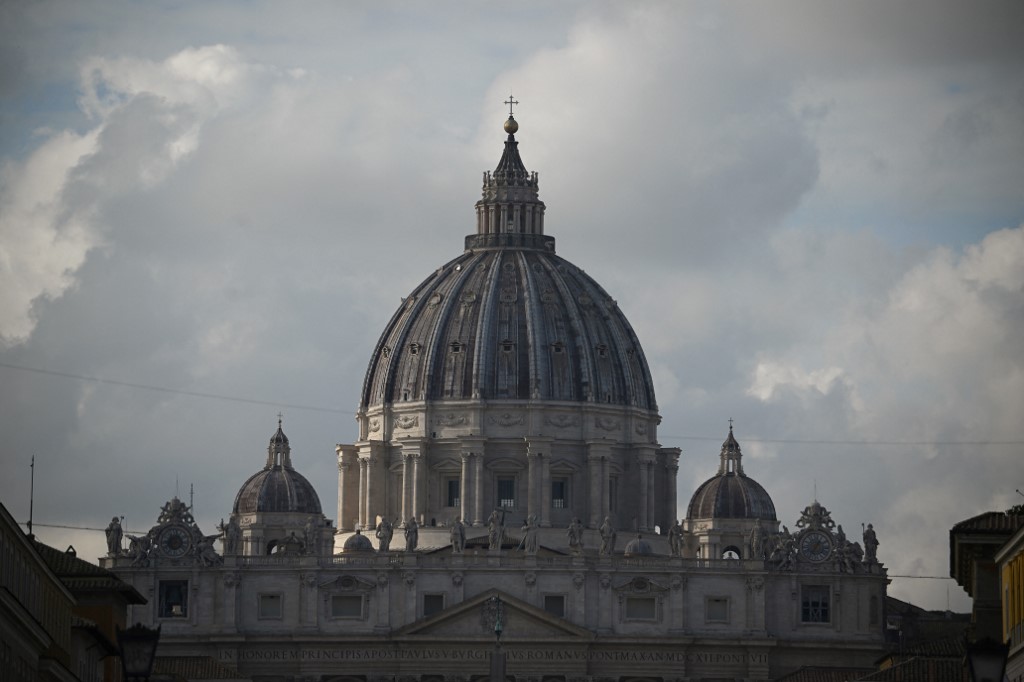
812	213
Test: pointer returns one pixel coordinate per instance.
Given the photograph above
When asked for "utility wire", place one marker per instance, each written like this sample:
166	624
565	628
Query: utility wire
163	389
331	410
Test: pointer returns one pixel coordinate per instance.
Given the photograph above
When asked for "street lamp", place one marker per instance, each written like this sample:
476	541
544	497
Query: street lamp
986	659
137	645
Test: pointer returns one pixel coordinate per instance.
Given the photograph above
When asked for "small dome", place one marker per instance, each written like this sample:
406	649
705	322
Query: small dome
277	487
638	547
731	494
357	543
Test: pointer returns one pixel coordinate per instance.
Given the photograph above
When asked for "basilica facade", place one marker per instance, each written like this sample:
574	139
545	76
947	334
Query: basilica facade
508	493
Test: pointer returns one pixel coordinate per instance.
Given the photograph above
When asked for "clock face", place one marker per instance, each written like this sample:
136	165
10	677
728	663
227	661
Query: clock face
816	546
174	541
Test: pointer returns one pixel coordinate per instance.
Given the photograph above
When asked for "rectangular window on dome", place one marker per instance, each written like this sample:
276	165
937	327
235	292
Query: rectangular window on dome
507	493
173	599
814	604
347	606
452	487
270	606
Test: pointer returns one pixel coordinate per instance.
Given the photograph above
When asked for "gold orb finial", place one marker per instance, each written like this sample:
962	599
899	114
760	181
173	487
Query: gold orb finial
511	126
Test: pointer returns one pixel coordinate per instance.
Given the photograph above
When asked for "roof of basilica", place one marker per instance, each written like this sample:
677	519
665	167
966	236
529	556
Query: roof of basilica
731	494
509	319
277	487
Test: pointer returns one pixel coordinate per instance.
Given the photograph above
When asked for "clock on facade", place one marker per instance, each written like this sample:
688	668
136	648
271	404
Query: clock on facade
815	545
174	541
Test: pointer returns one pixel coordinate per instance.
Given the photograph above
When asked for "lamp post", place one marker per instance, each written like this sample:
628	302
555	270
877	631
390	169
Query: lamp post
986	659
137	646
498	656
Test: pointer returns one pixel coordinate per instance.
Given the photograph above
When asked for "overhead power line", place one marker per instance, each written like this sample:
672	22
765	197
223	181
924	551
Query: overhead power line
333	410
164	389
809	441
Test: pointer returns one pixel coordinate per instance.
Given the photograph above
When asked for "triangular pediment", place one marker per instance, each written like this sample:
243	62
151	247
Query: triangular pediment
467	621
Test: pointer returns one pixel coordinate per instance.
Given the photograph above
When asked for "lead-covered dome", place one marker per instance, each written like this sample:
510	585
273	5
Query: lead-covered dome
508	319
731	494
277	487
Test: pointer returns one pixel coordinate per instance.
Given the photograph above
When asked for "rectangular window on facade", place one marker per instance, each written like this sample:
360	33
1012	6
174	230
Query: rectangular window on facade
507	493
716	610
555	604
559	493
432	603
270	606
347	606
173	599
641	608
814	604
453	492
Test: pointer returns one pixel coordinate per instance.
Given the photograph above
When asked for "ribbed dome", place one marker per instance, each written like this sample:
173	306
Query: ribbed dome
731	494
277	487
357	543
508	319
638	547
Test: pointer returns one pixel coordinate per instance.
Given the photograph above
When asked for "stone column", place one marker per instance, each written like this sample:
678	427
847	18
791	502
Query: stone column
645	468
672	469
478	490
372	493
407	476
464	485
363	464
646	459
472	481
532	483
545	493
597	456
348	478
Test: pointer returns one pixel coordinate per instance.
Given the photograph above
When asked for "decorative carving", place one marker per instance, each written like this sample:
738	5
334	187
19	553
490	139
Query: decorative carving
815	517
548	296
755	584
409	577
450	419
578	580
585	301
382	580
491	611
457	578
232	579
434	300
507	419
607	423
677	582
606	581
374	425
530	578
508	295
562	421
641	428
403	421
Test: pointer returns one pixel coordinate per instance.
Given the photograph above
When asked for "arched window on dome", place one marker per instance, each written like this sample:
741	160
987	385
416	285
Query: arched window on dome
731	552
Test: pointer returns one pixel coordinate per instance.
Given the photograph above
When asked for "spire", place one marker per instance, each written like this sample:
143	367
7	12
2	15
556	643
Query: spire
510	205
731	455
